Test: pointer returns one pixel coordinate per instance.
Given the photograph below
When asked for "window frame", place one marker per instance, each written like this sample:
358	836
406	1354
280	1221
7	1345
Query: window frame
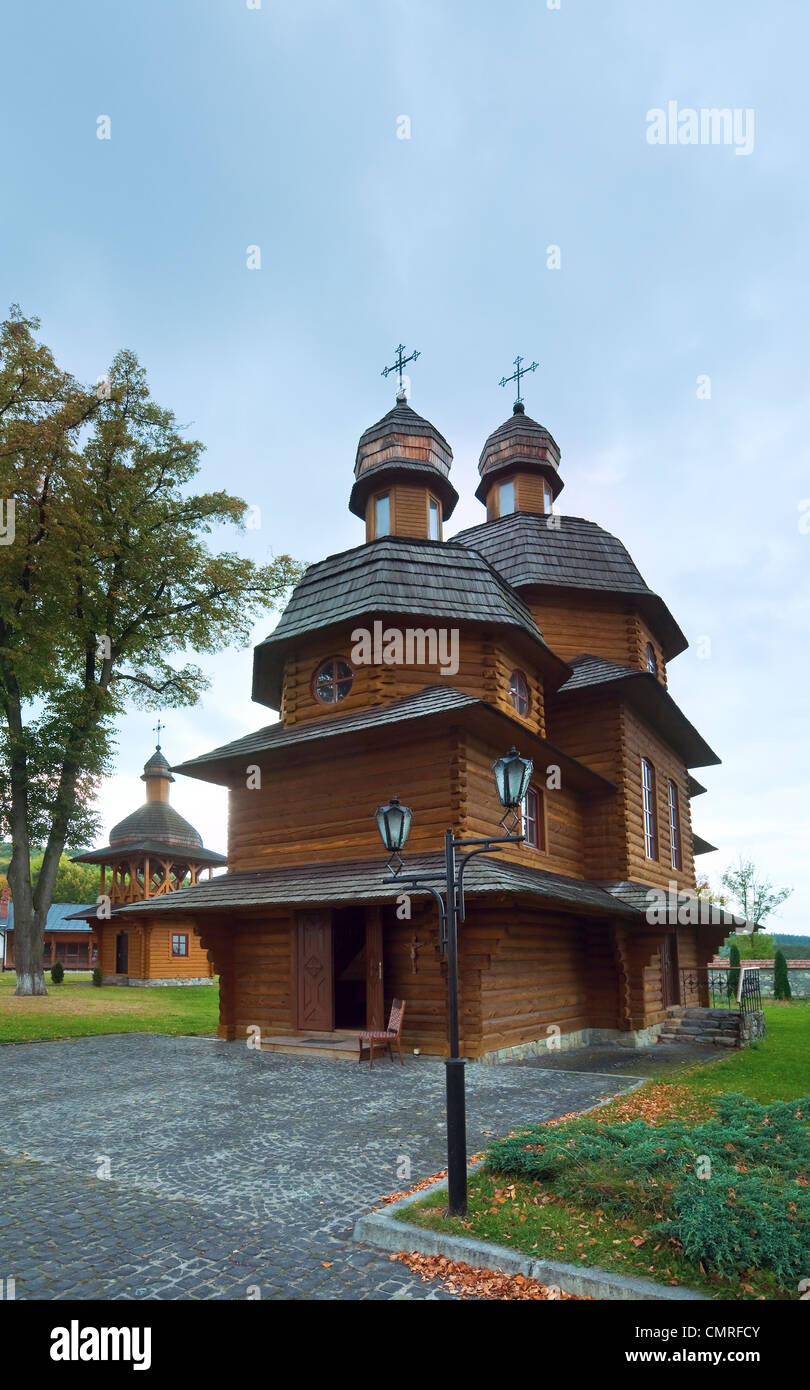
331	661
433	504
180	936
675	832
538	820
649	807
378	498
521	676
507	482
651	659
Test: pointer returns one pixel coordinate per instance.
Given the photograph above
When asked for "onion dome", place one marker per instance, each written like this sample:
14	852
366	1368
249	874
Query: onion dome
521	446
402	449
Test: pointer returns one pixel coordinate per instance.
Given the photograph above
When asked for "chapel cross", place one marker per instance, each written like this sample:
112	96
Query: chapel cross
397	367
156	728
517	374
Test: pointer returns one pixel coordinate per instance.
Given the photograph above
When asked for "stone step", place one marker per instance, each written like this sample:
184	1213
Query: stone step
695	1025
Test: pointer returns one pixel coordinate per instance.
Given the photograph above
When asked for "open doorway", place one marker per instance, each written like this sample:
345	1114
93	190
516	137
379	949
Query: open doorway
349	947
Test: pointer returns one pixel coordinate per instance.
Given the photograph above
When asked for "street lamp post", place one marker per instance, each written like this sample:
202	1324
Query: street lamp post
512	776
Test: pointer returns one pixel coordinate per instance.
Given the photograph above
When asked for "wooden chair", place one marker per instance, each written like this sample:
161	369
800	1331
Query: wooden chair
386	1036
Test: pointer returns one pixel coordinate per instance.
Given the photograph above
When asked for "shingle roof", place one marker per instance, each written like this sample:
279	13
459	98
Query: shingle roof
701	846
432	581
366	881
638	896
575	554
182	854
647	695
156	820
432	702
58	919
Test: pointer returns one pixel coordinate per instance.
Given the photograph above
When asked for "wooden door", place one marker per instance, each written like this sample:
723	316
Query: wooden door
315	992
121	953
375	1002
669	978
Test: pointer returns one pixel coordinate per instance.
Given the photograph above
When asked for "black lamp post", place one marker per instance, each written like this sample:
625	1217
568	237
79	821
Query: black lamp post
512	776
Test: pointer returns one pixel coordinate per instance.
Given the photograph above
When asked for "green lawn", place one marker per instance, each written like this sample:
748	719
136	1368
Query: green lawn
527	1215
76	1009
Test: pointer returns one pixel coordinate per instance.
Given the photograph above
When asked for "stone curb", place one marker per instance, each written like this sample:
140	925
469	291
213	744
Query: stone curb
384	1232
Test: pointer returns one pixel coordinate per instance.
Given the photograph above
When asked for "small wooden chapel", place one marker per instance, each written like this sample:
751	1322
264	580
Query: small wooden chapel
407	665
152	852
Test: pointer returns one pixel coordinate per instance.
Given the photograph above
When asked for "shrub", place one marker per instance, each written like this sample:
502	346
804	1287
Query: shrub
97	976
752	1211
57	972
781	978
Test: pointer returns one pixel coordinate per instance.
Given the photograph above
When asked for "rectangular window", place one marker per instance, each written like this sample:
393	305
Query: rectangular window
506	498
547	499
382	516
534	828
650	815
674	826
433	520
179	945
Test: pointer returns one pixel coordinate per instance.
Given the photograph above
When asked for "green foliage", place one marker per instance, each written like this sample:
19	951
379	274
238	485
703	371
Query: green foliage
756	897
756	945
108	581
57	972
74	883
753	1208
97	976
781	977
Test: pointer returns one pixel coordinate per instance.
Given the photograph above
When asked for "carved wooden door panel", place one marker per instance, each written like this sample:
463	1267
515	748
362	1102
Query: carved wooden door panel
374	969
315	993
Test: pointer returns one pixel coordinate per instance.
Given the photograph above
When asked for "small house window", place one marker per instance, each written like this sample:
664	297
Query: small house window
650	814
519	692
382	516
506	499
651	659
534	830
333	681
433	519
180	944
675	826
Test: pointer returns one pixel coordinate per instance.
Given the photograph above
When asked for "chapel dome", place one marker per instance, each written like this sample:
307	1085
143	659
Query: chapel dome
156	820
402	447
520	444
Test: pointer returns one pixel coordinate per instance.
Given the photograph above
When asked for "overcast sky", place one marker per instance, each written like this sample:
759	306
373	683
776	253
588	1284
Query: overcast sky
277	125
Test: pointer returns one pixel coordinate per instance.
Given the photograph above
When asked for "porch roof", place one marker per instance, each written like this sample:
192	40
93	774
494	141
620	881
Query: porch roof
359	881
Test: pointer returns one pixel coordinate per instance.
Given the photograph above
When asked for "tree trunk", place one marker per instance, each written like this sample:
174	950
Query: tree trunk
27	927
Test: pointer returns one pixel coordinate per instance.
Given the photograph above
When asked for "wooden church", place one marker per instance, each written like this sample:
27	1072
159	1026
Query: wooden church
152	852
406	666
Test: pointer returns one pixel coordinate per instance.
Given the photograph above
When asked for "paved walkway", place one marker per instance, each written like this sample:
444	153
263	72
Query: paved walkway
155	1167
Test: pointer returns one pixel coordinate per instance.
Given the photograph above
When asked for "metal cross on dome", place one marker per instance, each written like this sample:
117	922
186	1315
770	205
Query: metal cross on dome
157	729
398	365
517	374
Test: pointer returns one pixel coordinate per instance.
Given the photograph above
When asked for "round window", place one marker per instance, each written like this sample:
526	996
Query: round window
519	692
333	681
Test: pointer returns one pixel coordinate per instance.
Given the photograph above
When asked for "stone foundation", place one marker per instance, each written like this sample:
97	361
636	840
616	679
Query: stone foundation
155	984
565	1042
752	1026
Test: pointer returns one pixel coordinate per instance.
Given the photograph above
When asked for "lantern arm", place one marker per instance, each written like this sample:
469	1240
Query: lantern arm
491	845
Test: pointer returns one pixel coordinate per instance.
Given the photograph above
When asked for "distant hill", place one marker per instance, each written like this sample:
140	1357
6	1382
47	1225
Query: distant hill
796	946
